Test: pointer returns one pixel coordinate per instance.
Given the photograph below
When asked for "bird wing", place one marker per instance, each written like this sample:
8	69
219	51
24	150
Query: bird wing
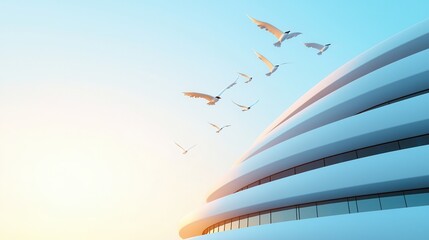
314	45
265	60
239	105
292	35
214	125
191	147
198	95
270	28
244	75
229	86
180	146
226	126
254	103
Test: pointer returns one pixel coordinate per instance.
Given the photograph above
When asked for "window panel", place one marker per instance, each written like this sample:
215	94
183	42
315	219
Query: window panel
227	225
414	142
417	198
243	222
310	166
235	223
285	214
335	207
353	205
307	211
221	227
340	158
265	180
387	147
283	174
369	203
253	184
392	200
265	217
253	220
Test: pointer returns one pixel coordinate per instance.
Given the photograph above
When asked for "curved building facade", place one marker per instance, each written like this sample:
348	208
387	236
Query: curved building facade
348	160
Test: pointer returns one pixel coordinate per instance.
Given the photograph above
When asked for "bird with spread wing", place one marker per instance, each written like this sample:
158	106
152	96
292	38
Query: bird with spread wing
219	128
245	108
185	151
281	36
270	66
210	99
249	78
317	46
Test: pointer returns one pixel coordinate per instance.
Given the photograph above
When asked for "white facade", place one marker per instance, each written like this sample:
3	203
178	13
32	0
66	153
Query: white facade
374	112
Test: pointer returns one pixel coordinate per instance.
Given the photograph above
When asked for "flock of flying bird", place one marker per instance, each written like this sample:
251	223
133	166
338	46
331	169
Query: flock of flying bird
281	37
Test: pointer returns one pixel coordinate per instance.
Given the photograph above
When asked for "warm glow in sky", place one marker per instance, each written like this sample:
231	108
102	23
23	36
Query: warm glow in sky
91	102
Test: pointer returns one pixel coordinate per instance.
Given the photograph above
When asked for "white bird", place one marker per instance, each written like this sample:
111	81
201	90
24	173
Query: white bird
210	99
249	78
270	66
245	108
281	36
319	47
185	151
219	128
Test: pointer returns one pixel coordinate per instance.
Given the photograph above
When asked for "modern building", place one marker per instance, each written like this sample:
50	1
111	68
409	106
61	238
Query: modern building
348	160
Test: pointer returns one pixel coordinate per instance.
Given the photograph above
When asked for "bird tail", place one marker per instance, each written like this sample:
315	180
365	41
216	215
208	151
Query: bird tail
268	74
319	53
278	44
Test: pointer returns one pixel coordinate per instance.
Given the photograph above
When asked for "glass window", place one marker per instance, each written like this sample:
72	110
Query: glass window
307	211
284	214
265	217
414	142
417	198
283	174
387	147
253	184
227	225
310	166
340	158
334	207
253	220
243	221
352	205
235	223
215	228
368	203
392	200
221	227
211	229
265	180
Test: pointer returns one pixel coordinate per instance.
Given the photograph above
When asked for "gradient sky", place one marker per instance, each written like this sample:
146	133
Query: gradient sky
91	102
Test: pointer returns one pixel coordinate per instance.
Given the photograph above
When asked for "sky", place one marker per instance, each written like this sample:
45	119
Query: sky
91	102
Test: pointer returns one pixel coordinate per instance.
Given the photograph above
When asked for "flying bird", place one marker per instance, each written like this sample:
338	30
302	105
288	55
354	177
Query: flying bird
281	36
210	99
270	66
245	108
319	47
185	151
249	78
219	128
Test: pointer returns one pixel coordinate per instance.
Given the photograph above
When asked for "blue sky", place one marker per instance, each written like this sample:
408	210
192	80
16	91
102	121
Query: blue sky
91	99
